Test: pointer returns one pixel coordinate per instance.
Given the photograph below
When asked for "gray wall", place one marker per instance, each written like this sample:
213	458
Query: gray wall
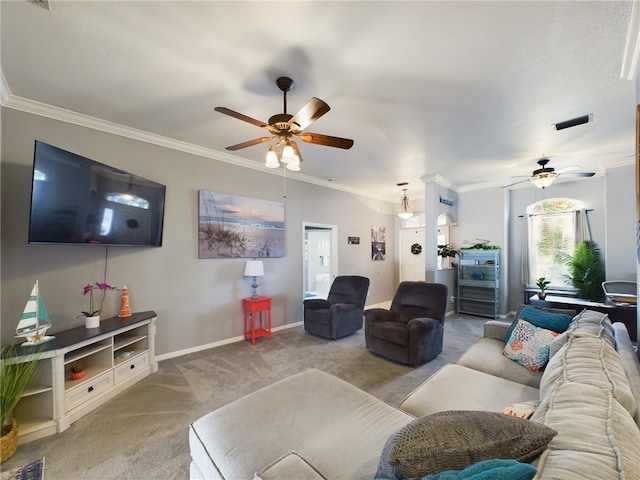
197	301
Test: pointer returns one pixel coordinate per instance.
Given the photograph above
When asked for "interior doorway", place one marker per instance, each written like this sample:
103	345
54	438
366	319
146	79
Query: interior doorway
320	258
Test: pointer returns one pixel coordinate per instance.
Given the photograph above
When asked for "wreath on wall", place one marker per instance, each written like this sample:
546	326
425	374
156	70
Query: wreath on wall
416	249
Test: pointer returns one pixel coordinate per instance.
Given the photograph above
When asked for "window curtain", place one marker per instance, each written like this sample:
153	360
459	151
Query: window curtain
582	229
525	250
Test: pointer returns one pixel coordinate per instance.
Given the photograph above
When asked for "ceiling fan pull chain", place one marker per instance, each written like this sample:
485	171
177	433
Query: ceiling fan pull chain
284	183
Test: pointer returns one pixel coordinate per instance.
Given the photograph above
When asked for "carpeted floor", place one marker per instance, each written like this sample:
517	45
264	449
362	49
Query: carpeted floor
143	433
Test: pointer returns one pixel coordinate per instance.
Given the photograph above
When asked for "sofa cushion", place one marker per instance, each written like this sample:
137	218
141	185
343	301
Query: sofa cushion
486	356
529	345
496	469
589	360
453	440
449	387
290	465
595	434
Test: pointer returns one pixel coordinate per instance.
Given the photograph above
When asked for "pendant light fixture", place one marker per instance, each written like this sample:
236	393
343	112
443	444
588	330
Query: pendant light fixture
405	211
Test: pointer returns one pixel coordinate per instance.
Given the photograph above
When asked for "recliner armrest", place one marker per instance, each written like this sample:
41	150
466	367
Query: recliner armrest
316	304
496	329
422	325
378	315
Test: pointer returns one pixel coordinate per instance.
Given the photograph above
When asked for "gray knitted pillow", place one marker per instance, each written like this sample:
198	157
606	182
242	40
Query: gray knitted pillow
453	440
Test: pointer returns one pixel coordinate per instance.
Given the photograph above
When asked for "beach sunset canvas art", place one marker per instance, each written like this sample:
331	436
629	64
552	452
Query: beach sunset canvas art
233	226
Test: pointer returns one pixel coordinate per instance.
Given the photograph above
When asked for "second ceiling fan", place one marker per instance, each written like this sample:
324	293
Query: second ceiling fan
283	128
545	176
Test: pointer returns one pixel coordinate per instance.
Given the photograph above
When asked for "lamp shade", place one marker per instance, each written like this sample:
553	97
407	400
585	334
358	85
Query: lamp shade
254	268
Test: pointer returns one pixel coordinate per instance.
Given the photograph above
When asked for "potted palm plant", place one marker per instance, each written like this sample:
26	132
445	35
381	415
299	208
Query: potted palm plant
15	377
586	271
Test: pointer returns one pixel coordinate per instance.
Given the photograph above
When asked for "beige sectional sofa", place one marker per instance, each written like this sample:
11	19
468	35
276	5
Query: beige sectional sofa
313	425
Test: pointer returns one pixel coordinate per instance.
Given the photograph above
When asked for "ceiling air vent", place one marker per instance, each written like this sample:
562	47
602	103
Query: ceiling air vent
574	122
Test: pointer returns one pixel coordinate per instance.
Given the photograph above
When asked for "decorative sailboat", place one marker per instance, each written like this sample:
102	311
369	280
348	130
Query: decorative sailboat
34	321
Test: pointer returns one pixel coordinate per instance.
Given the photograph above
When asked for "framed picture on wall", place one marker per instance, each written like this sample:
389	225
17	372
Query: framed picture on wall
353	240
232	226
378	243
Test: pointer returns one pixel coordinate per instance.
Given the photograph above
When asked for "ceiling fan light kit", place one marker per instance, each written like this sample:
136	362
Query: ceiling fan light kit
283	127
543	180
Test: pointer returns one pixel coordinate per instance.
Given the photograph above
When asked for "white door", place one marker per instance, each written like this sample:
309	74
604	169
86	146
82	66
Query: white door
320	260
412	265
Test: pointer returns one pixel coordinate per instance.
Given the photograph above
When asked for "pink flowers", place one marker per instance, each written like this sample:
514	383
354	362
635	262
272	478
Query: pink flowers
89	288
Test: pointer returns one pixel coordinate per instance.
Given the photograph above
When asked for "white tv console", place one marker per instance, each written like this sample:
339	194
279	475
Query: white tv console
117	354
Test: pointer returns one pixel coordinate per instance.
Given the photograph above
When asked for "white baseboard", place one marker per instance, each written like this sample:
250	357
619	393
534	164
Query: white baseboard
226	341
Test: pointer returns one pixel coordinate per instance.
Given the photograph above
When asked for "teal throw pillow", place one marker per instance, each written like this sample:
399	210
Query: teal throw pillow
496	469
557	322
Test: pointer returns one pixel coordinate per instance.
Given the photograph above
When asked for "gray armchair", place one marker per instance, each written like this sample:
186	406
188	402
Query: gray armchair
412	331
341	313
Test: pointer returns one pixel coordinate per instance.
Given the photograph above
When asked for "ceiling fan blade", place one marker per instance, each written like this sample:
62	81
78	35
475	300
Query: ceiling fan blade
516	183
579	174
309	113
249	143
242	117
326	140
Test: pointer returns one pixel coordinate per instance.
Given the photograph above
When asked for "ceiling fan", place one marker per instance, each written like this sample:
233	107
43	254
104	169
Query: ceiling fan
283	127
545	176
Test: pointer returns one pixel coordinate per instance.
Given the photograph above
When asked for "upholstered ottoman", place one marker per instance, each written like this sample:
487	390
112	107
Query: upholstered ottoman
334	427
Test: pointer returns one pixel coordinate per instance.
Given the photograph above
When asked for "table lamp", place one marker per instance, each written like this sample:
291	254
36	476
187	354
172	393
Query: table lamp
254	269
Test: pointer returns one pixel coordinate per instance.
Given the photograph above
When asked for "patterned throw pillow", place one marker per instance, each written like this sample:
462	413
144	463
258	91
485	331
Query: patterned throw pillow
521	409
529	345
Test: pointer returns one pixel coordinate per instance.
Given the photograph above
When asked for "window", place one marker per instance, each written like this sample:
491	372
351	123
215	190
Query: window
552	227
128	199
414	222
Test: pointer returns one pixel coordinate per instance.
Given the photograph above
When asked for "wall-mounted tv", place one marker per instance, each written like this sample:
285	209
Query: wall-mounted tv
75	200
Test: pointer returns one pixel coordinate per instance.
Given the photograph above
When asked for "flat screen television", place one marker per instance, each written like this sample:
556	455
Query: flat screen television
76	200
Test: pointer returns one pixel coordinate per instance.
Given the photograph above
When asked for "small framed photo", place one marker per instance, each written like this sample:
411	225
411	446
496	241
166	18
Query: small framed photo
353	240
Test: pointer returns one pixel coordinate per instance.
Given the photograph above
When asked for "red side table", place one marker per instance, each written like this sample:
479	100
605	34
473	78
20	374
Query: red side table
251	306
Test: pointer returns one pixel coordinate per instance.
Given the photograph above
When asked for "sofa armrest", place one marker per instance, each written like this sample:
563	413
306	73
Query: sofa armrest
496	329
630	361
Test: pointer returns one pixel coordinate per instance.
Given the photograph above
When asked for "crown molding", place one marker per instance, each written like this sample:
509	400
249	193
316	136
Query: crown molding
439	179
56	113
631	52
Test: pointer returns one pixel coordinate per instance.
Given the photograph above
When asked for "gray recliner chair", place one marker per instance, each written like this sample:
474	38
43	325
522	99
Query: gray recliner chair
341	313
412	331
